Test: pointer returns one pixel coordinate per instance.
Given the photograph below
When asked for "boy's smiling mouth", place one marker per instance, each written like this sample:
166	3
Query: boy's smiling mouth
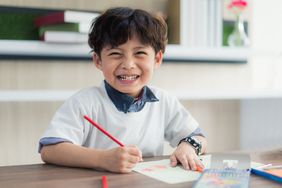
128	77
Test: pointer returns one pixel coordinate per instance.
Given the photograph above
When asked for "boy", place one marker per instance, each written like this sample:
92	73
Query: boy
128	45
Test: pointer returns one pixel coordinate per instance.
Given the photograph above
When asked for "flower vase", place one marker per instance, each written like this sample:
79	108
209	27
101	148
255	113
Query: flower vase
238	37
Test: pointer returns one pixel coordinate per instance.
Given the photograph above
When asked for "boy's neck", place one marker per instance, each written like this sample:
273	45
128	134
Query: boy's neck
127	103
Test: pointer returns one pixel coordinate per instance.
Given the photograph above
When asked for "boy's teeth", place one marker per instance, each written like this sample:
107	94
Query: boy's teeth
123	77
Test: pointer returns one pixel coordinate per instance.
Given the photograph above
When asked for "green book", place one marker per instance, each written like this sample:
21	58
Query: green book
18	26
74	27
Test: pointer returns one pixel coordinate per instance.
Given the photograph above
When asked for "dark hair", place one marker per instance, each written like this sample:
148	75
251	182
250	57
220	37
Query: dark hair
116	25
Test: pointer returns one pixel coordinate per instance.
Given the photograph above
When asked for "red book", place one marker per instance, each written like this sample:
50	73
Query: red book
65	17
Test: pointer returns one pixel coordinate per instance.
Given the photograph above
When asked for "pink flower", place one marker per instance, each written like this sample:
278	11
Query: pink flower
237	6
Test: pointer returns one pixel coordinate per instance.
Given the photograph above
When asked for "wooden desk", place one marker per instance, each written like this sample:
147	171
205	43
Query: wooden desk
45	176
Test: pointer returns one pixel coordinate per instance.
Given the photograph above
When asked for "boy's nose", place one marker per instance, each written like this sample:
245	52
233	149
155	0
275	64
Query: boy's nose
128	63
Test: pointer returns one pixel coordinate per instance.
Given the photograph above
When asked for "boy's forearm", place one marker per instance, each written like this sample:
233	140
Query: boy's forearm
68	154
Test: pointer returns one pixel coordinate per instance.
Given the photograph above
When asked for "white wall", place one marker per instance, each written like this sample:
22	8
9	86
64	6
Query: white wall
266	37
261	120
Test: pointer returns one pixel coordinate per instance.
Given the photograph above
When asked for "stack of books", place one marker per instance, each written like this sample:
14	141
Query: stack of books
65	26
200	23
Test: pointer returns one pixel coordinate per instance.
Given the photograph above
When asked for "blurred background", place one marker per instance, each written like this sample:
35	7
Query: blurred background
232	86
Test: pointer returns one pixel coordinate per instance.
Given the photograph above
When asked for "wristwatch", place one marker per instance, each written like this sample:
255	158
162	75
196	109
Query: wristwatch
194	142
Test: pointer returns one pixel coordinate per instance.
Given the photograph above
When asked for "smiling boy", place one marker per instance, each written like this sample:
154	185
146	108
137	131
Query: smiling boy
128	45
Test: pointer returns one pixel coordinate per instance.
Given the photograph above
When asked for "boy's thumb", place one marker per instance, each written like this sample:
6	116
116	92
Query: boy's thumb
173	161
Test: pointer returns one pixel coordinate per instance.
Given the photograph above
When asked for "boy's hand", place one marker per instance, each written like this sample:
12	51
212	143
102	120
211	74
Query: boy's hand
186	155
122	159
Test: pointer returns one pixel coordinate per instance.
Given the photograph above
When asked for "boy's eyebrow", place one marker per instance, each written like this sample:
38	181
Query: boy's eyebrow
117	48
140	47
107	49
112	48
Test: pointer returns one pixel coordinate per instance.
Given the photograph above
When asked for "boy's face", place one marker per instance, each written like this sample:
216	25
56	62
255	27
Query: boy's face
129	66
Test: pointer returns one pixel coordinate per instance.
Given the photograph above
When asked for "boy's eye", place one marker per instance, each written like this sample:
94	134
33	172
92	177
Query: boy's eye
141	53
115	54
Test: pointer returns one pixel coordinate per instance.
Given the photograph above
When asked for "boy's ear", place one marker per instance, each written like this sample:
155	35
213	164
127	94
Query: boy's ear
158	59
96	60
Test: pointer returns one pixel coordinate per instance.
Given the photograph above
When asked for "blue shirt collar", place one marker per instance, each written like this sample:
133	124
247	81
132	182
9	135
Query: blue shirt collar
126	103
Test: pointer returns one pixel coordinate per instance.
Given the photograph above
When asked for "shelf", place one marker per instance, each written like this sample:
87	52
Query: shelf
222	54
37	50
61	95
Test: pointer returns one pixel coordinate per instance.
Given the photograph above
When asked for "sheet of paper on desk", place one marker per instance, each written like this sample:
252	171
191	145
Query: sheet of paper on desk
161	170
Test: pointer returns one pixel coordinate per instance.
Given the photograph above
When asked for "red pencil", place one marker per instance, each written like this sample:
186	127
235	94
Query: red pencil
104	182
103	130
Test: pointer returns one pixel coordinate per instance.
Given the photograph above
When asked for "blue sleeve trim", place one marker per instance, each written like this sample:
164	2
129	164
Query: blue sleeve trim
198	132
50	141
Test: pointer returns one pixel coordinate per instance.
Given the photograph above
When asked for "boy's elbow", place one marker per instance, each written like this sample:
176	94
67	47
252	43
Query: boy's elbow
44	154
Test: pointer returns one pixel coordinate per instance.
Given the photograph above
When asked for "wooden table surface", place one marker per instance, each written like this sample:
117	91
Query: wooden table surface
45	176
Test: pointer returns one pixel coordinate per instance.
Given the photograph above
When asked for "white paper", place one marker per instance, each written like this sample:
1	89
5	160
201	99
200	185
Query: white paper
161	170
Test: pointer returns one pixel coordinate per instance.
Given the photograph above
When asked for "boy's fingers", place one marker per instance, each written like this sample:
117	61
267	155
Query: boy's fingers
133	159
140	155
199	163
184	161
133	150
173	161
192	164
